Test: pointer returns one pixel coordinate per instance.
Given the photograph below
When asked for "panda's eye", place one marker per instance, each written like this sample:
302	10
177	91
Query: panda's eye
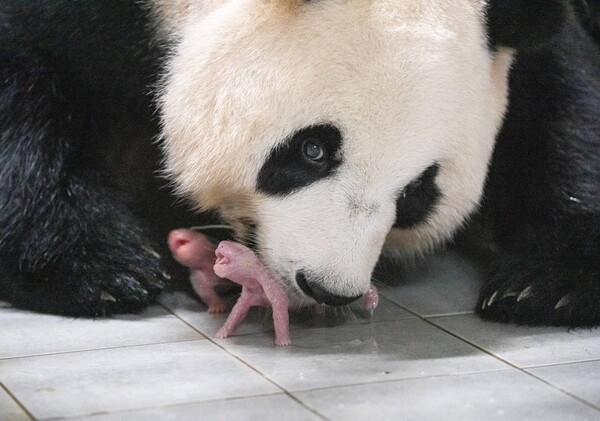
312	150
307	156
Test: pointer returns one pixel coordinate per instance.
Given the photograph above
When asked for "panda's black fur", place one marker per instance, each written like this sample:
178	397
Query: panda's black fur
543	192
80	212
76	122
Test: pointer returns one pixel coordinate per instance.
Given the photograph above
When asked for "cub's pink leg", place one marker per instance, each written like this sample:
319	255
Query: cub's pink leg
241	265
237	315
204	285
278	298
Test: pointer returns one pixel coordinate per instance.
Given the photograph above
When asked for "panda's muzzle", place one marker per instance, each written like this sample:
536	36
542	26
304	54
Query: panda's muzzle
321	295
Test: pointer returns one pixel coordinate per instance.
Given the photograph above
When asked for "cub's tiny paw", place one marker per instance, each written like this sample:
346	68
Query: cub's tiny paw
217	308
221	334
283	342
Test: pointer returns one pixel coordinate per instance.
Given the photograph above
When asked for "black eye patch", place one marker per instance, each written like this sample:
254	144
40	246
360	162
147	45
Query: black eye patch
307	156
418	199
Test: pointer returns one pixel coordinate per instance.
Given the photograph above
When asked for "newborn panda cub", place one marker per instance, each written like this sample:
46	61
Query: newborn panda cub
238	263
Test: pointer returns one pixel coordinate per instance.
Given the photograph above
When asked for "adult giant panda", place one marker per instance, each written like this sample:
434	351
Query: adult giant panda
323	131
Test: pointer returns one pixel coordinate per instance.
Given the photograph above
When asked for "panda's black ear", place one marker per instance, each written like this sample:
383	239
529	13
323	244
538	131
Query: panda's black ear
525	24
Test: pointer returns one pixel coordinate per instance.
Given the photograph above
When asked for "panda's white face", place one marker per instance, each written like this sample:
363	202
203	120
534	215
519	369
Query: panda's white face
322	124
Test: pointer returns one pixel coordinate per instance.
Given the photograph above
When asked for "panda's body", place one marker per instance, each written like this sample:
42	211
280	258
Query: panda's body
314	128
543	192
76	118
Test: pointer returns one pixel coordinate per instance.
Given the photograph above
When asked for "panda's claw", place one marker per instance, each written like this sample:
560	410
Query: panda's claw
105	296
526	293
148	249
534	290
563	302
492	298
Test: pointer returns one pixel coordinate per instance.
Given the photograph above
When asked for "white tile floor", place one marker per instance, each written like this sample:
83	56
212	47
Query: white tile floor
422	356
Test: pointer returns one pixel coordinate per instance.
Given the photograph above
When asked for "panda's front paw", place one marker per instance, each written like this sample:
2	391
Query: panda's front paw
104	271
87	285
540	290
131	283
122	278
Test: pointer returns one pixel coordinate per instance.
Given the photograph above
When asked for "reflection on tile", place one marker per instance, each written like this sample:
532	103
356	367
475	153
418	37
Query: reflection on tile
580	379
360	353
24	333
444	283
526	346
263	408
129	378
312	317
503	395
9	410
260	319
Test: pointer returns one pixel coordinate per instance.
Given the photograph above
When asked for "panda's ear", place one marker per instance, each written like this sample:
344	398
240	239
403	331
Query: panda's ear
525	24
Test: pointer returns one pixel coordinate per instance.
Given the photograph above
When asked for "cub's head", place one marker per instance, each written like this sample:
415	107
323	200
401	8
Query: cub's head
319	129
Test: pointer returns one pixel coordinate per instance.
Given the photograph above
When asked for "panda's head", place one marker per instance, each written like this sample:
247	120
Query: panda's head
317	126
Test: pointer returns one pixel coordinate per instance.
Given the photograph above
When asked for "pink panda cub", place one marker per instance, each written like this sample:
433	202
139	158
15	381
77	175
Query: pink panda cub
236	262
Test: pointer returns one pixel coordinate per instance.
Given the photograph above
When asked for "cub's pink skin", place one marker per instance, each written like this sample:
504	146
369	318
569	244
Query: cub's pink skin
195	251
239	264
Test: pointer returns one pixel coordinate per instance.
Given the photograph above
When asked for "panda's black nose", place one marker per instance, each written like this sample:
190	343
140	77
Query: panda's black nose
320	294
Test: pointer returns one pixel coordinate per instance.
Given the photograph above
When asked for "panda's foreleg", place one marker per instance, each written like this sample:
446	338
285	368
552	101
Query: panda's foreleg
67	243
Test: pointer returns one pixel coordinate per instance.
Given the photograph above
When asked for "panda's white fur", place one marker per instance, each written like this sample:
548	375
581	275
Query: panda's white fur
409	83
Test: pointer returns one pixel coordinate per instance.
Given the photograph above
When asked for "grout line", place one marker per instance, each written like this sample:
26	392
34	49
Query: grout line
405	379
174	405
273	382
505	361
560	389
533	367
497	357
415	313
458	313
17	401
79	351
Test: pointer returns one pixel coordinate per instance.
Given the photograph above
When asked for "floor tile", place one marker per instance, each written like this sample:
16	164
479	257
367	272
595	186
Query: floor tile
9	410
579	379
24	333
263	408
444	283
360	353
129	378
508	395
526	346
260	319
